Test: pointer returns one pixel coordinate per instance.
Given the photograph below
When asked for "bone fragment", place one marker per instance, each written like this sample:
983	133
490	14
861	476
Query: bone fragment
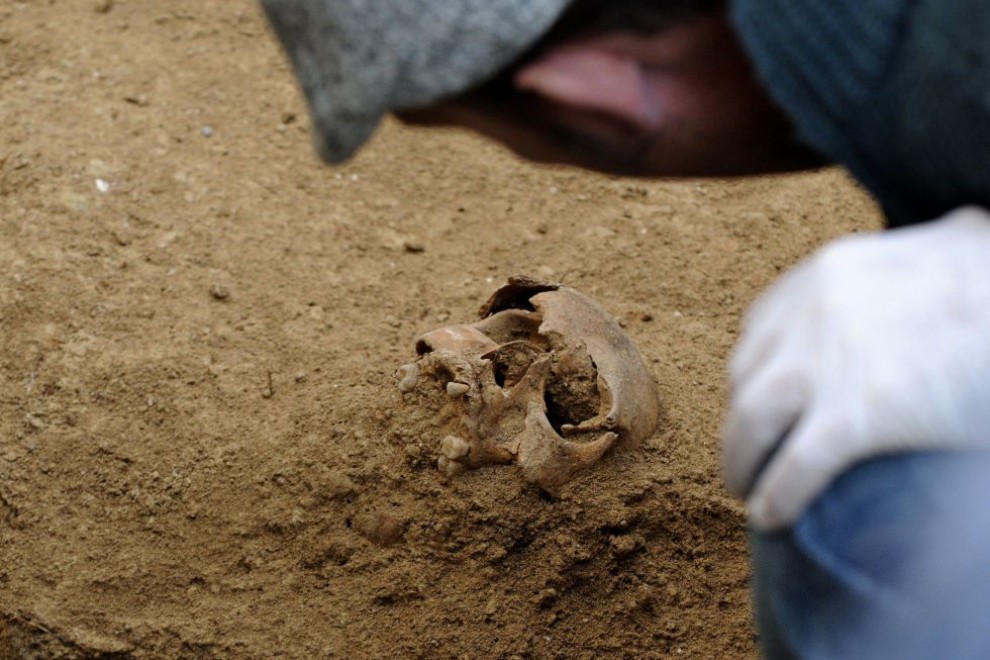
408	377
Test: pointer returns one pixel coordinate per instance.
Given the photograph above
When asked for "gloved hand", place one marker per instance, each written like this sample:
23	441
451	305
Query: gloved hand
876	344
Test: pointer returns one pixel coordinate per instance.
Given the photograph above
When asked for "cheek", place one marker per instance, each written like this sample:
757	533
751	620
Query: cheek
546	132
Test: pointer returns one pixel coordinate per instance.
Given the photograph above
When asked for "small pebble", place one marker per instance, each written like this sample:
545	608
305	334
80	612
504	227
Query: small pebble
414	247
623	546
382	529
207	131
219	292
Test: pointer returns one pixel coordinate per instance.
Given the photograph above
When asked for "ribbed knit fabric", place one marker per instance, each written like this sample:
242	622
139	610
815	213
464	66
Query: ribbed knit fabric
898	91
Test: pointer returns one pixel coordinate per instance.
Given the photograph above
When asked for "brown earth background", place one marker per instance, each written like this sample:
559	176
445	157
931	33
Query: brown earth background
203	453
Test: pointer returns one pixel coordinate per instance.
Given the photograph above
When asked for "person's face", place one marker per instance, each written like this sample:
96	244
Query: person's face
675	100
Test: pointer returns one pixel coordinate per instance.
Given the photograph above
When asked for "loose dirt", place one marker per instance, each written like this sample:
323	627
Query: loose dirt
203	453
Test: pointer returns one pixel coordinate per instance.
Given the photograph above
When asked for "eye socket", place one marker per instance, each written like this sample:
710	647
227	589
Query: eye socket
511	361
572	394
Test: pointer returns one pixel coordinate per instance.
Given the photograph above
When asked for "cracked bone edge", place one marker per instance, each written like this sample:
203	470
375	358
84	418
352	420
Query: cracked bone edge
630	403
462	339
549	460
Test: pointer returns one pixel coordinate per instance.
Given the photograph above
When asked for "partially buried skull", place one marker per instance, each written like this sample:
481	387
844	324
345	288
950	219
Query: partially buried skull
546	379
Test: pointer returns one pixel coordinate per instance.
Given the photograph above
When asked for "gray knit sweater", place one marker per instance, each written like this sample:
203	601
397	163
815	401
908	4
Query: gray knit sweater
898	91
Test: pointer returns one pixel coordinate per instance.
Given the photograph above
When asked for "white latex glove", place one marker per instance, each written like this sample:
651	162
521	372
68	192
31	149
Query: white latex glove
876	344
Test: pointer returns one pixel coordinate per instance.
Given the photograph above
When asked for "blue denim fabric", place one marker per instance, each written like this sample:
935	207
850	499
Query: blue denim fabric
893	561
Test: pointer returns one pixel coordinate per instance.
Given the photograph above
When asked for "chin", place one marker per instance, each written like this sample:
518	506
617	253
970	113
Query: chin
605	157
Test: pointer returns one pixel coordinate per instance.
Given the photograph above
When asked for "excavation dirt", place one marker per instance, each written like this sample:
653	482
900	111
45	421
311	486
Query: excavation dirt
203	451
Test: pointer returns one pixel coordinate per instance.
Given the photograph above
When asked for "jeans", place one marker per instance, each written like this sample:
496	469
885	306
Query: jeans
893	561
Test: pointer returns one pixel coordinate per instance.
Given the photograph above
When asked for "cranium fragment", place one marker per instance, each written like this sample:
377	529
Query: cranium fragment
546	379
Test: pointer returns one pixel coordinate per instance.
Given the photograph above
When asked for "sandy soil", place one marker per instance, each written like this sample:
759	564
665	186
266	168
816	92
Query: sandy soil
203	453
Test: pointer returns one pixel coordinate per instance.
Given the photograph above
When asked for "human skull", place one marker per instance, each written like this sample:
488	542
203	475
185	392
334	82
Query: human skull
546	379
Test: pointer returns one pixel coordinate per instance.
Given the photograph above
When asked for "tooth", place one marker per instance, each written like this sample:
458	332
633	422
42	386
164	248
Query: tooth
408	377
450	468
455	389
454	448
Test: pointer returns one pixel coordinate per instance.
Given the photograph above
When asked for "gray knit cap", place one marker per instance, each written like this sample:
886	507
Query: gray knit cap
360	59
